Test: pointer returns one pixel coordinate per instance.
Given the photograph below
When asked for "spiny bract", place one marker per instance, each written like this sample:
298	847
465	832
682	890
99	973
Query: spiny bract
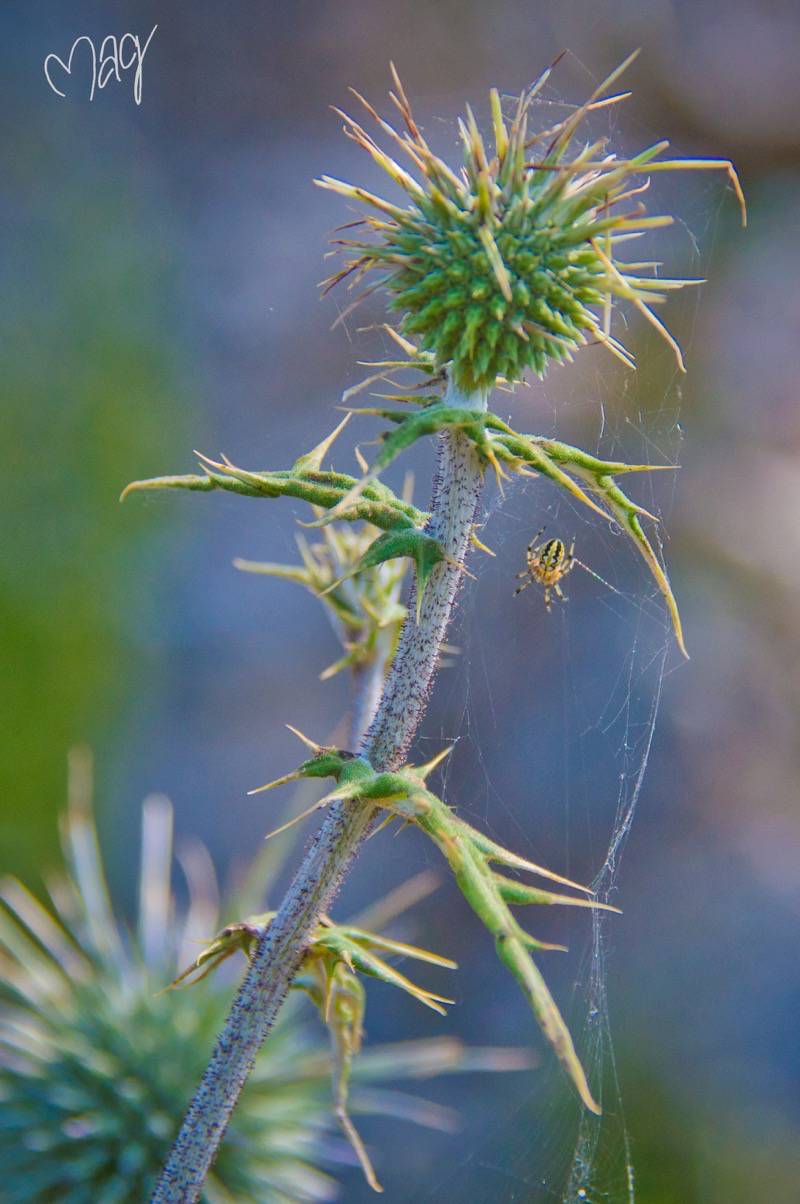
512	263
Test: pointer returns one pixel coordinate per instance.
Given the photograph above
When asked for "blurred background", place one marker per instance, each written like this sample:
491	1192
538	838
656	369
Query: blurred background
160	295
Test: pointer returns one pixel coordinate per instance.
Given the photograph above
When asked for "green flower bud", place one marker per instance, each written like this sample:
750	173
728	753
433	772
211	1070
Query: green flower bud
520	236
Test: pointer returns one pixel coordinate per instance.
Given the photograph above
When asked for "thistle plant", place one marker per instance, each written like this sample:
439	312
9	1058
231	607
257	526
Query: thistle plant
330	975
362	593
471	856
94	1051
504	267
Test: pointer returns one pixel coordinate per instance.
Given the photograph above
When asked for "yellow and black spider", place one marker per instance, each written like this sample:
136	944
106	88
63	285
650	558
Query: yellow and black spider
546	564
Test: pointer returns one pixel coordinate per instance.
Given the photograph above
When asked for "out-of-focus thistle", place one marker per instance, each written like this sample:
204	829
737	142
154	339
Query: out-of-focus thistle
363	601
512	262
95	1056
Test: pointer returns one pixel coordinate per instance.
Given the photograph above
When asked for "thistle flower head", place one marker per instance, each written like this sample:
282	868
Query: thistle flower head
512	262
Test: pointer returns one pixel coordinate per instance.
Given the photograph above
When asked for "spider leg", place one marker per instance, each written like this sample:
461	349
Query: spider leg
532	544
557	589
520	588
569	560
547	598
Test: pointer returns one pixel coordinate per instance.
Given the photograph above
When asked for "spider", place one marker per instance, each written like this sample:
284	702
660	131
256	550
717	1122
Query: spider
546	564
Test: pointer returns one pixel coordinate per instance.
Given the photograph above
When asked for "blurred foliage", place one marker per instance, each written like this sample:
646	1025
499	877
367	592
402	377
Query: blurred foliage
89	379
688	1151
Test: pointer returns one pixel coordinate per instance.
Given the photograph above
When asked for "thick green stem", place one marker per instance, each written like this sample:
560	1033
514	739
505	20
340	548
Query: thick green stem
280	950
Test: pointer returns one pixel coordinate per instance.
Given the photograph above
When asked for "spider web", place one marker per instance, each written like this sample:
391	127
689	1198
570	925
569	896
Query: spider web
596	743
598	730
600	663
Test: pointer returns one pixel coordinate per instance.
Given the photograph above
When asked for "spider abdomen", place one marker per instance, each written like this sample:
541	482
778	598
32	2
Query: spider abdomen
547	563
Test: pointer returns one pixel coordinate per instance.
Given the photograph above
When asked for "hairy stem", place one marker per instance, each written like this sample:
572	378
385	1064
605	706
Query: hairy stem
280	950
